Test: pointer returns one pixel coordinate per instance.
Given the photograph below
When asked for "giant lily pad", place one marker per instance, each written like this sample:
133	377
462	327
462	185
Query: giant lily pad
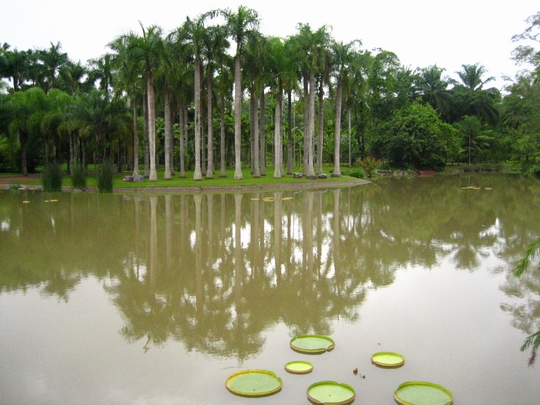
422	393
388	359
299	367
254	383
312	344
331	393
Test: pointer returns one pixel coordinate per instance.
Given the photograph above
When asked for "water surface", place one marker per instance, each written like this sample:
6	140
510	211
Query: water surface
124	299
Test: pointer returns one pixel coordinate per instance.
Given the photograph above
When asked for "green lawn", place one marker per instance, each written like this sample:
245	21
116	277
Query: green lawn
188	181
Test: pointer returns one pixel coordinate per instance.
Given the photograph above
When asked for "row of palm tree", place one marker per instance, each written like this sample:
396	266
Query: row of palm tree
193	73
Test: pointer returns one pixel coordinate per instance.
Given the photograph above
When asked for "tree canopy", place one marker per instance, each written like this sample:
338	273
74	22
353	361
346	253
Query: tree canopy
217	73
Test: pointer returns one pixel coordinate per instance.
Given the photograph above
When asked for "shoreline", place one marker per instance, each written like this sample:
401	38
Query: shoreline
7	184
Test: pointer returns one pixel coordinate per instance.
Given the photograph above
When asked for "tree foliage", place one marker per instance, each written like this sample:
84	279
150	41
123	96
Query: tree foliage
416	138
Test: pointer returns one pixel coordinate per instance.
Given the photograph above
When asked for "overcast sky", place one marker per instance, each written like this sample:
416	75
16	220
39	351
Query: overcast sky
420	32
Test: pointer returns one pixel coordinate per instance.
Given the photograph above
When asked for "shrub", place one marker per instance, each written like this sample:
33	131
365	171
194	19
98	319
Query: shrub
105	178
78	179
369	165
51	177
359	174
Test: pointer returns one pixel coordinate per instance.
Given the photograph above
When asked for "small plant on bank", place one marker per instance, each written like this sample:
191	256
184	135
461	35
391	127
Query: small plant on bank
369	165
51	177
78	179
105	178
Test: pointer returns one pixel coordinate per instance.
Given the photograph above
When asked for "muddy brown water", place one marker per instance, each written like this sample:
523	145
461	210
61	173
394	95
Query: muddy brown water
138	299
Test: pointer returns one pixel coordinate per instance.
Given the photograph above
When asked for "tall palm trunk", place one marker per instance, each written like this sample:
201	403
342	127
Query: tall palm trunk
237	119
222	172
168	133
262	135
255	137
320	129
197	175
210	156
310	172
337	130
135	138
181	145
278	139
306	123
152	128
289	133
350	137
146	148
24	164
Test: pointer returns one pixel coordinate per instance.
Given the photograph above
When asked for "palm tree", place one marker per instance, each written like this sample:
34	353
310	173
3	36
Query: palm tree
25	109
344	70
241	25
181	78
193	32
130	79
94	116
313	44
472	98
53	60
278	69
256	61
53	116
71	78
224	83
15	65
148	50
475	134
434	90
100	72
165	75
215	45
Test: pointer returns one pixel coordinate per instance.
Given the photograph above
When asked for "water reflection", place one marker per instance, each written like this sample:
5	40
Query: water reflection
215	271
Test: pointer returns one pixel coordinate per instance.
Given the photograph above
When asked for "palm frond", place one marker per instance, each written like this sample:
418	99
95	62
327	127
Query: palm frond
523	264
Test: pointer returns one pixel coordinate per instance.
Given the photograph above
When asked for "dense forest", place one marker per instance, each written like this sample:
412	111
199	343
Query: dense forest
216	93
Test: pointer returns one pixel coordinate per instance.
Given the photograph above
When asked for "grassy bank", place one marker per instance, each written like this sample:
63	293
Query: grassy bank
229	181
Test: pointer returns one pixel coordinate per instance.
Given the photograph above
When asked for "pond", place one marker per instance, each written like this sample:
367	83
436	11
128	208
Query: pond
158	299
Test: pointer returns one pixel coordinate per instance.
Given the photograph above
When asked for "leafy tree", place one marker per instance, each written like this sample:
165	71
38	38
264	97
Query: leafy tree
521	107
525	53
415	137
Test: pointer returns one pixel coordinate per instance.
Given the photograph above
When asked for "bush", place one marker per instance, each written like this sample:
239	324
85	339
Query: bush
105	178
51	178
416	137
359	174
369	165
78	179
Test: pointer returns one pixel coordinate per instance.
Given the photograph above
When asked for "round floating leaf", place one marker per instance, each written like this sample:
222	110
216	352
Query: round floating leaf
331	393
254	383
422	393
299	367
388	359
312	344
